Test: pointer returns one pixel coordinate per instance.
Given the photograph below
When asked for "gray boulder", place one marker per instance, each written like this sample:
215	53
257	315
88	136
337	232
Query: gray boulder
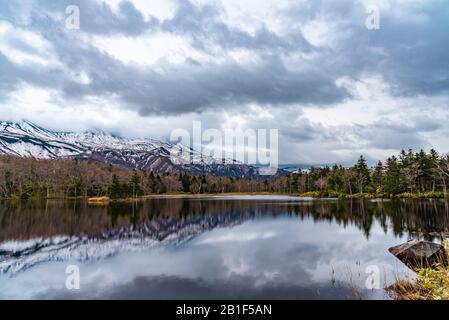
421	254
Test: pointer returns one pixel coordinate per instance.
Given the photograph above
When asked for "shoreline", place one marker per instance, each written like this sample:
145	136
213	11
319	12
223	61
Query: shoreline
312	194
191	195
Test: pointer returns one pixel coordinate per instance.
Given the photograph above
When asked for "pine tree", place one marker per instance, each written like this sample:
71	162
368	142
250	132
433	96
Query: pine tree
377	178
115	190
362	174
424	170
336	179
392	176
135	184
185	181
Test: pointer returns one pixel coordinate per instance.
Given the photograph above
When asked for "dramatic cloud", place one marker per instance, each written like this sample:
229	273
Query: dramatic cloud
312	69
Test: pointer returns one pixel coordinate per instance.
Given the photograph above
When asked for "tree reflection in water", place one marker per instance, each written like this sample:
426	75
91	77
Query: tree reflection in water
31	219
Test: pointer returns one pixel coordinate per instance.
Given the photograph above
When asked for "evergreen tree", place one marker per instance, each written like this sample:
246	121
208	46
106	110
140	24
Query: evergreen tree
435	173
135	185
115	190
336	179
392	176
378	175
185	181
362	174
424	171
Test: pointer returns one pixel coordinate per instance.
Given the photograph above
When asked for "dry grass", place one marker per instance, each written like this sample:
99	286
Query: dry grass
430	284
98	199
409	290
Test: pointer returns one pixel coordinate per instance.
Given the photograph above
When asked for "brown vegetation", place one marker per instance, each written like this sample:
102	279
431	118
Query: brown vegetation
38	178
430	284
422	175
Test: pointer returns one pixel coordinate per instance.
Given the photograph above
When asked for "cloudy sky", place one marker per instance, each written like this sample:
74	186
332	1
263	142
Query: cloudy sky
310	68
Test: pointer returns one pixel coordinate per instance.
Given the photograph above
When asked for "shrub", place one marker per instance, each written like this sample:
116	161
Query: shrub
312	194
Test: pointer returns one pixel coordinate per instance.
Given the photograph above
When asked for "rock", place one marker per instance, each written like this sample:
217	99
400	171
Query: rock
421	254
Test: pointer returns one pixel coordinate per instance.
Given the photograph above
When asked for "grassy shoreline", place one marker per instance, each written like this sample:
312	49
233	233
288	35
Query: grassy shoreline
310	194
430	284
406	195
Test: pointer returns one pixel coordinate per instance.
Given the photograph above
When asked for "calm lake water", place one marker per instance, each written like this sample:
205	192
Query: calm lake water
253	247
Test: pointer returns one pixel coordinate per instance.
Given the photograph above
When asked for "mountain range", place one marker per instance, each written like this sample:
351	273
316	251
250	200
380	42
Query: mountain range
27	139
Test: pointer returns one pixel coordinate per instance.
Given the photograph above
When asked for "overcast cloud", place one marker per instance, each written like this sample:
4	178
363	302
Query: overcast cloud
310	68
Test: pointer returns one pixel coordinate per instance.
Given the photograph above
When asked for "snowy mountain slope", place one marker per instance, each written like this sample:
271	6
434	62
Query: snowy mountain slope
29	140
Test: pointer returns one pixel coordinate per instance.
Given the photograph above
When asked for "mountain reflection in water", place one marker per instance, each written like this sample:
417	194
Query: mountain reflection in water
280	238
33	219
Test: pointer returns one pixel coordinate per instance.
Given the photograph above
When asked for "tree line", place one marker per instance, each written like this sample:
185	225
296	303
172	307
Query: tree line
409	173
65	178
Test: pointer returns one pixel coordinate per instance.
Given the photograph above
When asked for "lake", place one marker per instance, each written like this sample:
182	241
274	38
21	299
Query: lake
229	247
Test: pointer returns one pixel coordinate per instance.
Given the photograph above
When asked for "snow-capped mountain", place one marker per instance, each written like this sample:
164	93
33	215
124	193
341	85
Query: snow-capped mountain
30	140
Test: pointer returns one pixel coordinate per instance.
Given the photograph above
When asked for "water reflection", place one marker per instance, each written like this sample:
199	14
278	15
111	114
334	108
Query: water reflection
211	248
31	219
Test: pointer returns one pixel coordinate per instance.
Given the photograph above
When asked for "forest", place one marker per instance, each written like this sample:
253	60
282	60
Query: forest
409	174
